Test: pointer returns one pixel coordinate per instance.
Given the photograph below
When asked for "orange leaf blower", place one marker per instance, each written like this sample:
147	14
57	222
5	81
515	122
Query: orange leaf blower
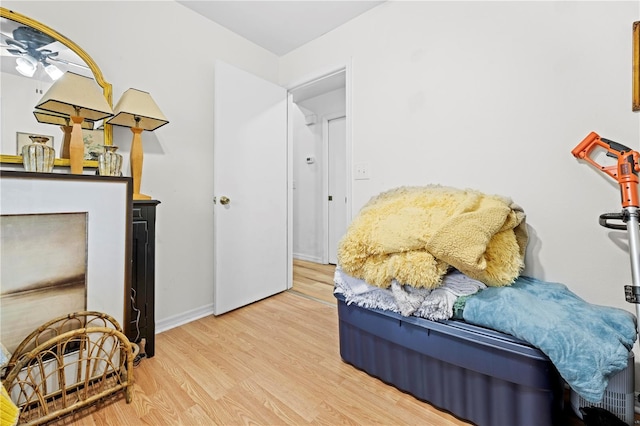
625	172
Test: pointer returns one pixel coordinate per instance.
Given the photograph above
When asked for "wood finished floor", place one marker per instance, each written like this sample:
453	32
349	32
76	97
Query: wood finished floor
274	362
314	280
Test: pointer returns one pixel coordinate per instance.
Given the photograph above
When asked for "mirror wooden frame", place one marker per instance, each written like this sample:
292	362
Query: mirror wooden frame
636	67
97	73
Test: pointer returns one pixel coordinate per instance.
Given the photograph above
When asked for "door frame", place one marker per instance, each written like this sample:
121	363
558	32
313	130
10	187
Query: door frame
347	68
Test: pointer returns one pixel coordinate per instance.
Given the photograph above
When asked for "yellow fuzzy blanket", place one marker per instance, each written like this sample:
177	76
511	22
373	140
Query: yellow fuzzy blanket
413	235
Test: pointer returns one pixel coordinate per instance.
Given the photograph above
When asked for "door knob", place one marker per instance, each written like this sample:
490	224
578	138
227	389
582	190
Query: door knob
224	200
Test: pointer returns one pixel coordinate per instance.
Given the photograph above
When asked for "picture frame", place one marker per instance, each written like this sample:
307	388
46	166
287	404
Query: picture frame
93	144
44	261
22	139
107	202
636	68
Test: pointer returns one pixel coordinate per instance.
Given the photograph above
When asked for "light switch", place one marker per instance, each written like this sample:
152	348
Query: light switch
363	171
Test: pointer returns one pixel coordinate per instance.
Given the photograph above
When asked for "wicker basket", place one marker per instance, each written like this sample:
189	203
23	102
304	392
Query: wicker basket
69	363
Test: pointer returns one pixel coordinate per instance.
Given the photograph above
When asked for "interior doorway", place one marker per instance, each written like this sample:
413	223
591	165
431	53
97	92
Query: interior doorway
321	166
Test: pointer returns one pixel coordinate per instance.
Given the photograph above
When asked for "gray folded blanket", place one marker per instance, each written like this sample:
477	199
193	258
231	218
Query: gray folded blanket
436	304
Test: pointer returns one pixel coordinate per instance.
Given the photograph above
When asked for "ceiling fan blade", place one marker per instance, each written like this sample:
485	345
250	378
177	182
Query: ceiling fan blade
62	61
16	52
16	43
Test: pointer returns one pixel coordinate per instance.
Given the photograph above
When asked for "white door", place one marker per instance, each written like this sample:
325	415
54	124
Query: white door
250	171
337	138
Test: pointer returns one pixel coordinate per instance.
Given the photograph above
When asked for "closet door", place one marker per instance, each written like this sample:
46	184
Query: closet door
250	188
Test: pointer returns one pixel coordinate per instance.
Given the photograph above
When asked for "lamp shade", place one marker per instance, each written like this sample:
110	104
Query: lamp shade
47	117
74	91
137	109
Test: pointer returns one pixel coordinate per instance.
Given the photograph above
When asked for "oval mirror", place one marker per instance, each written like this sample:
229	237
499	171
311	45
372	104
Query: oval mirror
32	55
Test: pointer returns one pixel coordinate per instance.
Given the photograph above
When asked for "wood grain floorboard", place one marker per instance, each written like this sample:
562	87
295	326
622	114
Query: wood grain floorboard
274	362
314	280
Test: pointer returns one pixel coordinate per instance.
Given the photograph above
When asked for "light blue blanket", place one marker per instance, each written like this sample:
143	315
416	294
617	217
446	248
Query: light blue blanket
587	343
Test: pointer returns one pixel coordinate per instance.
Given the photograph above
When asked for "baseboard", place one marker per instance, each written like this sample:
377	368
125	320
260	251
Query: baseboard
203	311
183	318
307	258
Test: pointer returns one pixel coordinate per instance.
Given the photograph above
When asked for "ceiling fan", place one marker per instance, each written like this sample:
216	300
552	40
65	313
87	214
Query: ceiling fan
32	47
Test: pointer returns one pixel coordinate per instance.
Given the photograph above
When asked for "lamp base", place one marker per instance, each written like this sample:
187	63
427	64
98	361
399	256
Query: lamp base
141	197
76	146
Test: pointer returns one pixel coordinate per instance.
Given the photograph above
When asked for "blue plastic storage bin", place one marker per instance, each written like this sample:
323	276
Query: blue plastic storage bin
477	374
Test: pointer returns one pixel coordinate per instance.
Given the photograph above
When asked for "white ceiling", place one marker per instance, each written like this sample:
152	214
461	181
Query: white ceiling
280	26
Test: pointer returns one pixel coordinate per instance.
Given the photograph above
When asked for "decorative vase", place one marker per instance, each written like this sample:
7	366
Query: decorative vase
109	162
37	156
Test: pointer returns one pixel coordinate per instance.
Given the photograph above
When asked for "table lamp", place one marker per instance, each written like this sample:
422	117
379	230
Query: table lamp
137	110
77	97
64	121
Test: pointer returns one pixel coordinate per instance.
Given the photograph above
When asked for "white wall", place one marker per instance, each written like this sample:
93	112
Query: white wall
24	94
168	50
487	95
308	201
494	96
307	188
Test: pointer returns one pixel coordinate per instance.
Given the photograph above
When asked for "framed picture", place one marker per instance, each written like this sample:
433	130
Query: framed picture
95	214
636	67
44	270
93	143
22	139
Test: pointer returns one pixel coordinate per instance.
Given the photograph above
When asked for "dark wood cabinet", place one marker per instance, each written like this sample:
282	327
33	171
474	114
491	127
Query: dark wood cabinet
142	307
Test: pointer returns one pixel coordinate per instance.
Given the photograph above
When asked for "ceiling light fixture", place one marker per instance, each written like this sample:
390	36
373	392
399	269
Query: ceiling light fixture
26	66
53	71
